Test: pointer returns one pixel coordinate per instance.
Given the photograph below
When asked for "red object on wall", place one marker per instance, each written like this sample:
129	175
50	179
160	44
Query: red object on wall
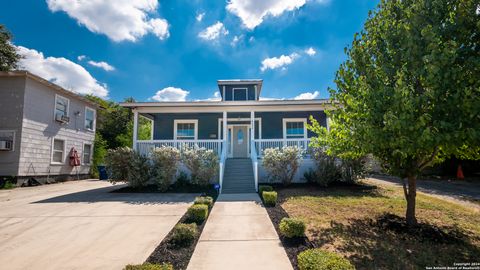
460	172
74	158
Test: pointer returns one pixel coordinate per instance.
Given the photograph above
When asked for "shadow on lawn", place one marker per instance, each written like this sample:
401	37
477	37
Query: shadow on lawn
337	190
387	243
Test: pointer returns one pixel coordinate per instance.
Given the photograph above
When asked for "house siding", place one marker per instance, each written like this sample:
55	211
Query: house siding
11	114
229	91
39	129
272	123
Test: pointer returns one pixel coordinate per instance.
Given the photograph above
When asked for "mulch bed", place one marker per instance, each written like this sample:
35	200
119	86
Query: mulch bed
292	246
179	257
207	190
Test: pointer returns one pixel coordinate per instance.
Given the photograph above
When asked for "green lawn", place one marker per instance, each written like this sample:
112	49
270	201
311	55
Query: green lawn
364	224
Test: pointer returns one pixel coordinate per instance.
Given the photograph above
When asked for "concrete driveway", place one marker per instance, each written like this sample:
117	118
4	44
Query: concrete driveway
80	225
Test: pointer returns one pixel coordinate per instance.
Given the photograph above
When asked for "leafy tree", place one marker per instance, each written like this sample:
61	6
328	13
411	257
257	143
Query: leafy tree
409	92
8	54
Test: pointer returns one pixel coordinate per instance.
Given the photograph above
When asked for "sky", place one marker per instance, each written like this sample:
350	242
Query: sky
155	50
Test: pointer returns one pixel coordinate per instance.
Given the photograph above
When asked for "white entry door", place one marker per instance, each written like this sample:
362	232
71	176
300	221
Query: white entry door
240	141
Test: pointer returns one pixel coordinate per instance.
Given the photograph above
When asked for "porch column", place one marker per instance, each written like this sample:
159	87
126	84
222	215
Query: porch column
225	131
135	129
252	130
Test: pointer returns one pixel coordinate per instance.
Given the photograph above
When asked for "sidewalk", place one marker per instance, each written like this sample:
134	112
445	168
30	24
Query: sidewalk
239	235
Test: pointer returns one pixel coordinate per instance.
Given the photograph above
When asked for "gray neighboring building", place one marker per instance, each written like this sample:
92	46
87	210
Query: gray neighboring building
40	122
239	127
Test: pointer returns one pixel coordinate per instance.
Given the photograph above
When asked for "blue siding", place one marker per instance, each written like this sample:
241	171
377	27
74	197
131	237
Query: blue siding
229	92
272	123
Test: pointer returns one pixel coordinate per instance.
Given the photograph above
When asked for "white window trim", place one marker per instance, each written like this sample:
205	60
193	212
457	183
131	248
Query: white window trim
55	106
185	121
63	154
240	88
94	119
286	120
220	124
13	139
91	154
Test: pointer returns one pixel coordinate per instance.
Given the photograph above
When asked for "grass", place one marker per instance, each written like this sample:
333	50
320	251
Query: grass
366	225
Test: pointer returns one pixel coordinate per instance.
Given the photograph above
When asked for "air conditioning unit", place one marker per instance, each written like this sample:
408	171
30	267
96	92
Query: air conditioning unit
62	118
6	145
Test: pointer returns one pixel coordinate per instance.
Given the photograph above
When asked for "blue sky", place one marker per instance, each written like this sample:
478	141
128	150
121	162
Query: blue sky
176	50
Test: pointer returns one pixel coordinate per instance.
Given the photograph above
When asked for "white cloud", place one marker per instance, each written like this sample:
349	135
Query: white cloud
278	62
200	16
310	51
103	65
307	95
81	57
213	32
171	94
216	97
61	71
119	20
253	12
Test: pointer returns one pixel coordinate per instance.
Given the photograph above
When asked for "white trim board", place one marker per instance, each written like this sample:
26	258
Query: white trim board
240	88
220	121
55	106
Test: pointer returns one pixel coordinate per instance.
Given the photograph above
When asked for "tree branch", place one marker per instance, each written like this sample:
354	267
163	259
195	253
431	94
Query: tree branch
427	162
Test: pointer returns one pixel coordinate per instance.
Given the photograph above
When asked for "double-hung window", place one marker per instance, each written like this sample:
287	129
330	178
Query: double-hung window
61	106
185	129
87	154
58	151
89	119
294	128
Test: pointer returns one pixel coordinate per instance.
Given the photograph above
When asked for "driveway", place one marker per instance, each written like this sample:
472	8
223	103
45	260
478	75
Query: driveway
81	225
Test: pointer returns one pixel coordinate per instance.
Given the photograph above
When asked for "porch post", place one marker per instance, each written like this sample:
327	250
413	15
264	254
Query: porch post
252	130
225	131
135	129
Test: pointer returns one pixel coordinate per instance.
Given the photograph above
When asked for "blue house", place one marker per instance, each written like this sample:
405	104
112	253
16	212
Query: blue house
239	127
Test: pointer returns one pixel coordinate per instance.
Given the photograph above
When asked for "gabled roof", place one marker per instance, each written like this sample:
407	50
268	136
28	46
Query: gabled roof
56	87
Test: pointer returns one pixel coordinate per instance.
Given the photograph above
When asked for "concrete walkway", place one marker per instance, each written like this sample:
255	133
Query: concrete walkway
239	235
81	225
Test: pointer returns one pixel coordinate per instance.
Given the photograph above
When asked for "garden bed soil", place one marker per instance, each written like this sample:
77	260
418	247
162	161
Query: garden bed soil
292	246
179	257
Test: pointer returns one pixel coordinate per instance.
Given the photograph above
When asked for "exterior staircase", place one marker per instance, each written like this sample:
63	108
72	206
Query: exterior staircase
238	176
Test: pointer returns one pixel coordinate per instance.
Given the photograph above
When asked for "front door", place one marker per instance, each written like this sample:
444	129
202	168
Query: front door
240	141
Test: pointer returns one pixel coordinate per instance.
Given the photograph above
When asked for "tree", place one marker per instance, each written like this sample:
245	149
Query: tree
409	91
8	54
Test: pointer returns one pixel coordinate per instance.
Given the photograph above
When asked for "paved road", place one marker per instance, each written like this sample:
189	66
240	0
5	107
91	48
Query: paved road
80	225
239	235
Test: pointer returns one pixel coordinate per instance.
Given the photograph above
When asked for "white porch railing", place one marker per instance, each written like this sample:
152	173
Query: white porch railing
145	147
254	157
262	144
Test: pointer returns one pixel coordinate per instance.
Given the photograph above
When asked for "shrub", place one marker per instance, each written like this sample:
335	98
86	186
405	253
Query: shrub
184	234
149	266
138	171
317	259
206	200
165	164
353	170
202	163
263	188
117	162
282	163
9	185
269	198
327	170
292	227
197	213
310	176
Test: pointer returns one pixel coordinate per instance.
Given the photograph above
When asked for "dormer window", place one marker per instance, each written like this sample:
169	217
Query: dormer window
240	90
240	94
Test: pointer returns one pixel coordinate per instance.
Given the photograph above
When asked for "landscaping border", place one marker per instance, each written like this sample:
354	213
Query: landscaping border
179	257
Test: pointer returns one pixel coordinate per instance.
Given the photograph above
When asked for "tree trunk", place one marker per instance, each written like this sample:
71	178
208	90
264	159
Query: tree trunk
411	200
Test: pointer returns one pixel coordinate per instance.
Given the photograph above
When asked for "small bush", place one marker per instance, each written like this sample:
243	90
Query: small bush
202	163
8	185
310	176
292	227
317	259
149	266
206	200
165	164
269	198
182	179
282	163
197	213
184	234
117	162
138	171
263	188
